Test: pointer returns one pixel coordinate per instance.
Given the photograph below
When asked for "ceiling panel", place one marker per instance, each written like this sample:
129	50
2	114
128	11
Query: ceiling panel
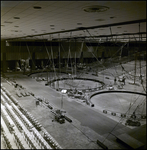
66	15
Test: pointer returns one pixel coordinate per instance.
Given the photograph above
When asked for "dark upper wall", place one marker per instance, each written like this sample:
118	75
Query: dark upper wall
44	50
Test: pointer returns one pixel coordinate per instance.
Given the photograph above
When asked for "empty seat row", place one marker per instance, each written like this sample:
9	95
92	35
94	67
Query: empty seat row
12	98
18	142
23	118
15	119
7	143
7	120
43	144
51	140
32	119
29	141
7	99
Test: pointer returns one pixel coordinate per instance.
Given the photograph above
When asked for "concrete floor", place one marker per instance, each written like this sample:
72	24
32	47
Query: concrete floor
89	124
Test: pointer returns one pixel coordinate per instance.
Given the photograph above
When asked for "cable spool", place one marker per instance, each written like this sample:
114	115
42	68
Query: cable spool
104	111
143	116
133	116
92	105
113	114
123	115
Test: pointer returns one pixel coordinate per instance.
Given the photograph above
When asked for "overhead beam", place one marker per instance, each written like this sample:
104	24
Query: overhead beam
99	36
86	28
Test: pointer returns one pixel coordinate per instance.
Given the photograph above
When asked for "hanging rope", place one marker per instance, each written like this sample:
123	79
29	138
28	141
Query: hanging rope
30	54
53	62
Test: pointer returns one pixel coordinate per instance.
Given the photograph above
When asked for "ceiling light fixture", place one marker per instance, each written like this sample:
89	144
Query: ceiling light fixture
99	19
79	23
16	17
8	22
37	7
112	17
52	25
118	27
95	8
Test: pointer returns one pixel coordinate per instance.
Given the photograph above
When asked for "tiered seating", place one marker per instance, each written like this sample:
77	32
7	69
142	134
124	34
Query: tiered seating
18	142
31	119
8	121
51	140
8	145
23	118
29	141
14	117
6	98
12	98
43	144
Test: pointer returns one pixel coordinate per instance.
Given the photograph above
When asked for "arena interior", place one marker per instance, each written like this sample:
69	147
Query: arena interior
73	74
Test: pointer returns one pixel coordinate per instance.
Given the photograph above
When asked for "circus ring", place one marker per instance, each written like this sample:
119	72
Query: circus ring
117	103
82	84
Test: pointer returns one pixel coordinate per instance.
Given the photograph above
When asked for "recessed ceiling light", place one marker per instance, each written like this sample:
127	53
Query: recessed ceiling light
79	23
118	27
95	8
8	22
99	19
16	17
37	7
52	25
112	17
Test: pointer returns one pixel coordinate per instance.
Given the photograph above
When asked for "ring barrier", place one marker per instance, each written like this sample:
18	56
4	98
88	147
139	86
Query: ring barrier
119	114
77	78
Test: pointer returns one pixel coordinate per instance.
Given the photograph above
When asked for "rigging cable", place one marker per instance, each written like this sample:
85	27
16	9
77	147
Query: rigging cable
30	54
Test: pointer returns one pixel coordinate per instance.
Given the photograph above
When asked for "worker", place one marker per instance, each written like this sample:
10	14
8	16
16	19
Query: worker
141	81
37	102
123	80
115	81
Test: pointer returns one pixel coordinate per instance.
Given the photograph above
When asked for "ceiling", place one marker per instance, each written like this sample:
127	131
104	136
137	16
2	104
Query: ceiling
65	19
